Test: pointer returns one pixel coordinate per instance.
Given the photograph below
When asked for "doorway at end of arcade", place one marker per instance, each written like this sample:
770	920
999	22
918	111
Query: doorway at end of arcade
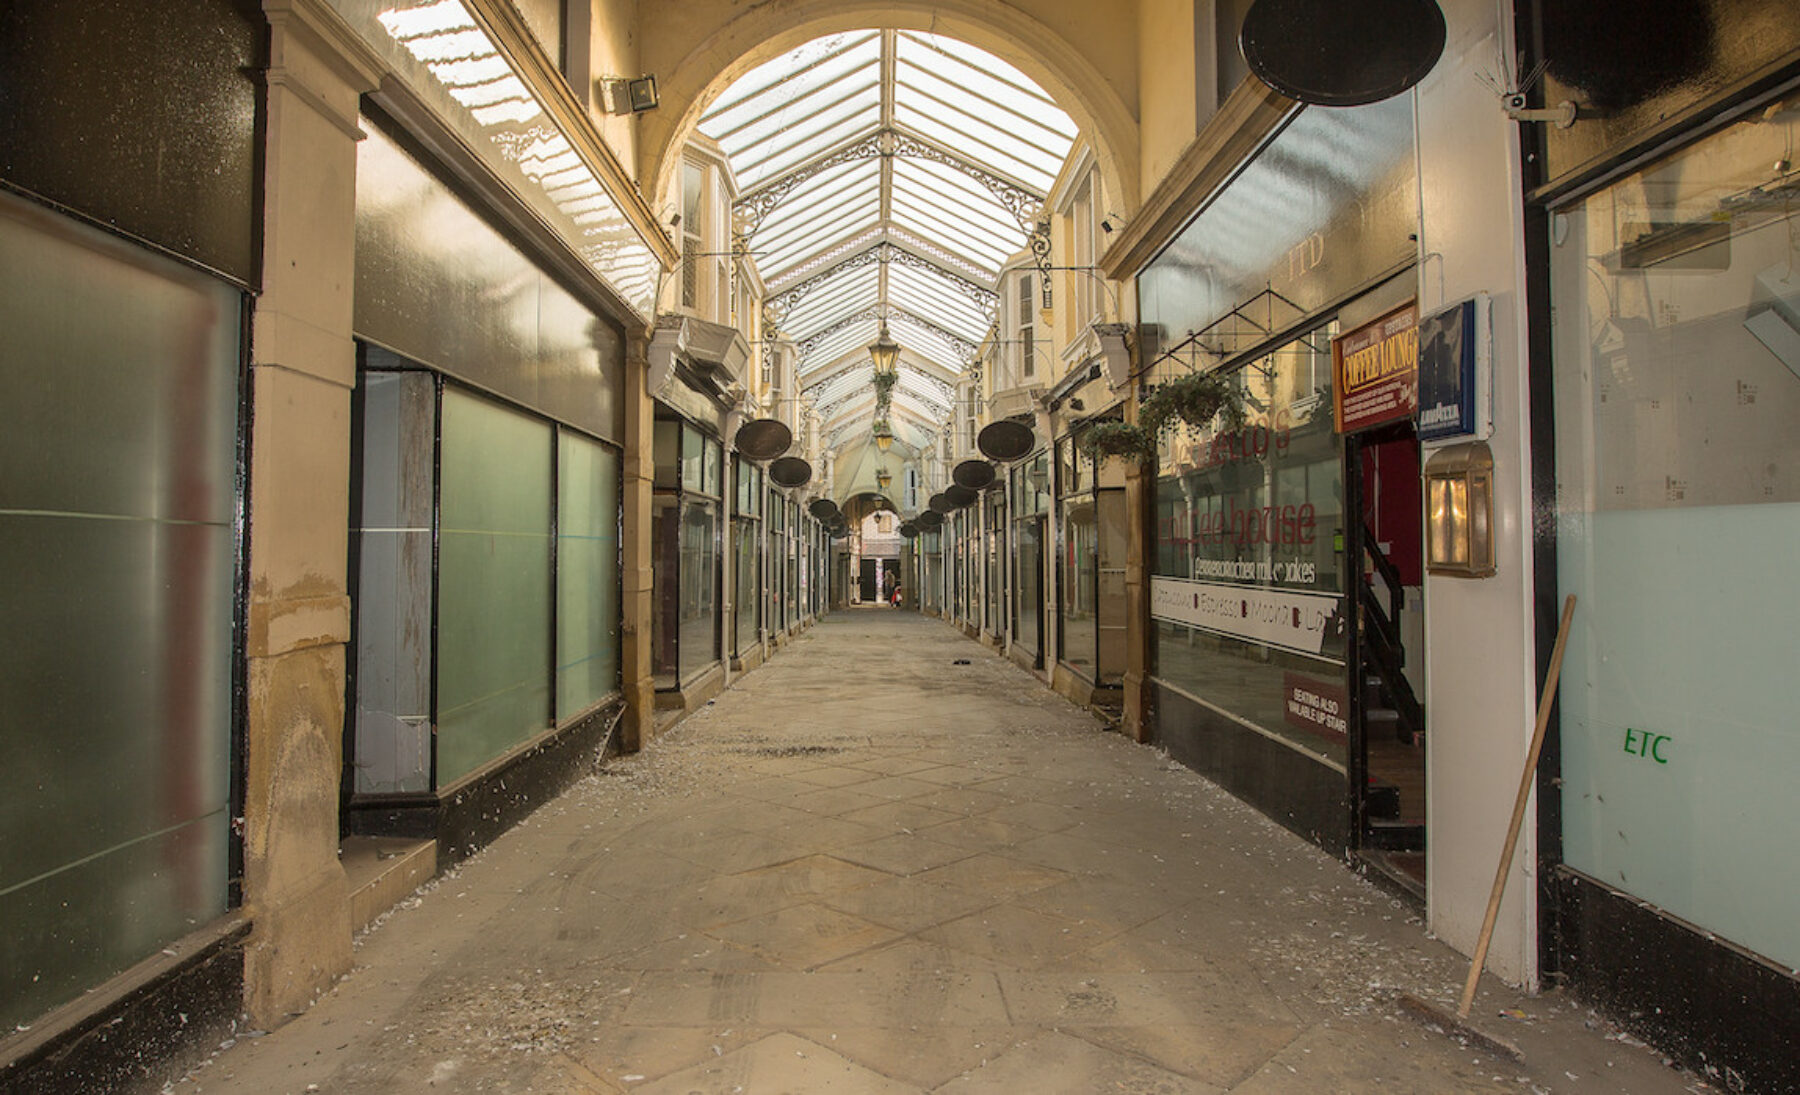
878	581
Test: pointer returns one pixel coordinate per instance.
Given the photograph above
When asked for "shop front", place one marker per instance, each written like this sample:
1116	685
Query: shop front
485	518
1671	379
124	310
1030	515
1258	557
1091	555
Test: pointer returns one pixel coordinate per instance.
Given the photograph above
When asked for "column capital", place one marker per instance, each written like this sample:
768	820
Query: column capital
317	55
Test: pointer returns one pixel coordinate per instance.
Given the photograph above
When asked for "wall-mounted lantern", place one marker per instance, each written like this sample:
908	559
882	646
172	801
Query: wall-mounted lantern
1459	511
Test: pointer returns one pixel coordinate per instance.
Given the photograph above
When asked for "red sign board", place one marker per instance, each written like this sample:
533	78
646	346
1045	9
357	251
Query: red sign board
1376	371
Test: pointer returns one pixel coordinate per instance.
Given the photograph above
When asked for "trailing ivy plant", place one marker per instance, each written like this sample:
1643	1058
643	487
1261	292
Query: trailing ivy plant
884	391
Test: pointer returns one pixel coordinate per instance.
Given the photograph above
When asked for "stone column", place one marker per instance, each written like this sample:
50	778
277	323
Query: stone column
635	626
302	370
1140	502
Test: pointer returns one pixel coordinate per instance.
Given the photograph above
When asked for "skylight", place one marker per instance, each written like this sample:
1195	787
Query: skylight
887	174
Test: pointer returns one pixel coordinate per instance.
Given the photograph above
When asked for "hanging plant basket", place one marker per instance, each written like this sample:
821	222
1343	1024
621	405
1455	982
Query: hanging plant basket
1123	439
1195	399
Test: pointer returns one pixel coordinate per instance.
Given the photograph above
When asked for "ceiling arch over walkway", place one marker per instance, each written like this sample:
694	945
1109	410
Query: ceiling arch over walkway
886	177
887	174
1084	55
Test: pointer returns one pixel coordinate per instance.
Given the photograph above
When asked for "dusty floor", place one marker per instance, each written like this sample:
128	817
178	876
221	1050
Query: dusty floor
869	869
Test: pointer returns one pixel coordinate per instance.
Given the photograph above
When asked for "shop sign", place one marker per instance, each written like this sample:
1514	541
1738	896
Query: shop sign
1376	369
1449	382
1319	707
1647	744
1307	623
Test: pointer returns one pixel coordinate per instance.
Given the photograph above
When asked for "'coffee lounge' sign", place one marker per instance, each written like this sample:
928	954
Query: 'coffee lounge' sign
1376	371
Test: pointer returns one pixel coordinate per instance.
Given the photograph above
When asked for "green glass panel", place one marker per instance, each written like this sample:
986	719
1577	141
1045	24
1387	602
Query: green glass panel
493	583
587	575
1677	392
118	423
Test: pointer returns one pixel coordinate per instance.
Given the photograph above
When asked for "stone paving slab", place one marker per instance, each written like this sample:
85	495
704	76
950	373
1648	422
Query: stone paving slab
864	868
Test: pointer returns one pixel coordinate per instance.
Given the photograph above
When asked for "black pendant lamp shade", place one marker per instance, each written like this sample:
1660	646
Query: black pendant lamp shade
763	438
930	519
960	496
909	530
937	503
790	471
974	474
822	508
1005	440
1336	53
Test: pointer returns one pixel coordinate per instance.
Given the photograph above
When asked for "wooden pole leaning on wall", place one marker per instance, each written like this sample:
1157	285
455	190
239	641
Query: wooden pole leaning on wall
1545	700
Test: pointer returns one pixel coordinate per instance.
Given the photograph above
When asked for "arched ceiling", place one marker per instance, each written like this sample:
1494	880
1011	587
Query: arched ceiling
886	174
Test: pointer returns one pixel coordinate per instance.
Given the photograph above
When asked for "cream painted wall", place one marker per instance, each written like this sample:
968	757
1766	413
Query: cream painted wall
1166	90
613	41
1480	698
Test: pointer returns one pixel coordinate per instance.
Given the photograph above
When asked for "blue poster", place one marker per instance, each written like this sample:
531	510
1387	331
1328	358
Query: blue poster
1447	344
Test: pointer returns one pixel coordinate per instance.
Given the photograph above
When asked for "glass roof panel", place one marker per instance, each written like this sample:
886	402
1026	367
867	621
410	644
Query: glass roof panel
949	229
774	83
791	148
1003	153
844	292
947	302
984	243
1012	107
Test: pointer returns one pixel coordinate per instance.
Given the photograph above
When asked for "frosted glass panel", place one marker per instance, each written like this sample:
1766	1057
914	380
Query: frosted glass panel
393	604
118	403
1079	571
1677	395
748	593
493	584
587	575
699	585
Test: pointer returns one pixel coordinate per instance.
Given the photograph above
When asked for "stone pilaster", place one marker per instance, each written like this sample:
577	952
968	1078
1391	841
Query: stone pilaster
635	625
1140	499
302	371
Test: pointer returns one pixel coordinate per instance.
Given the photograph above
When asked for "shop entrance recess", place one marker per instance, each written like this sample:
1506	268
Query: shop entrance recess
1383	543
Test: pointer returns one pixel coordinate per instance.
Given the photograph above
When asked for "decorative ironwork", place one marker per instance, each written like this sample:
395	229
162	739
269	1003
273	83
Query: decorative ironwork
1040	251
957	342
749	211
899	255
1025	205
918	244
943	406
752	209
885	251
811	342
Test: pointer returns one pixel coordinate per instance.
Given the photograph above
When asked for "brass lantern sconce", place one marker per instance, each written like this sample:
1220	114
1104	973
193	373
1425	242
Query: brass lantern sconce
1459	511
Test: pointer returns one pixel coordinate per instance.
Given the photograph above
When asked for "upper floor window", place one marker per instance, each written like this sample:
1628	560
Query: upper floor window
1084	294
693	192
1027	341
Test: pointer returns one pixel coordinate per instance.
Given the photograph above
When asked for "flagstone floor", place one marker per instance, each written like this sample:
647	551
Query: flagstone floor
867	868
